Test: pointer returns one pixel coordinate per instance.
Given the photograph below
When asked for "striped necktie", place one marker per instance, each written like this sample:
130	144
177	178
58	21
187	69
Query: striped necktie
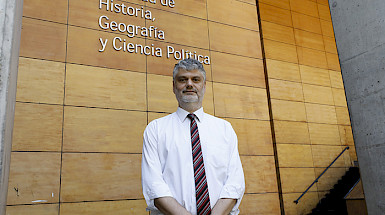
201	189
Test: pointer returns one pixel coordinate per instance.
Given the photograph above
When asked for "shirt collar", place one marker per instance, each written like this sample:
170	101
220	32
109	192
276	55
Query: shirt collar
182	114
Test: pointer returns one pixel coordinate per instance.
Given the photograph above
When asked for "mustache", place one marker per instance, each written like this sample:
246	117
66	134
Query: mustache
192	90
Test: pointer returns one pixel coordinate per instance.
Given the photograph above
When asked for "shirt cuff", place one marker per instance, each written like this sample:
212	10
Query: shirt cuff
157	190
231	191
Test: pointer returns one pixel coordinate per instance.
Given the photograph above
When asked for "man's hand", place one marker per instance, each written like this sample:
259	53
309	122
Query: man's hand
223	206
169	206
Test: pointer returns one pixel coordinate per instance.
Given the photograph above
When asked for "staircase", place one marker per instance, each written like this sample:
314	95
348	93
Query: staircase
334	203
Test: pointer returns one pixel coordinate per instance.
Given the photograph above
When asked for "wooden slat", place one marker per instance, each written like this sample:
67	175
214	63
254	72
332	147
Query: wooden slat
42	209
100	176
324	2
278	32
152	116
51	10
196	8
343	117
34	177
294	155
339	97
254	136
235	13
333	62
84	45
291	132
324	134
103	130
307	23
280	51
330	178
309	40
324	12
105	207
311	57
330	45
283	70
313	75
336	79
323	155
318	94
327	28
346	135
43	40
305	7
240	102
275	14
285	90
238	70
40	81
267	203
321	113
296	180
259	174
285	4
106	88
306	204
37	127
176	32
288	110
247	42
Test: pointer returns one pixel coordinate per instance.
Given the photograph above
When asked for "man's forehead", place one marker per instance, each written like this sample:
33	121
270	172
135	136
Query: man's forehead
194	72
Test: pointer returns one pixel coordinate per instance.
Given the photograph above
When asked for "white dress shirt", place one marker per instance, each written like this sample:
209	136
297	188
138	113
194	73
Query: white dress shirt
167	167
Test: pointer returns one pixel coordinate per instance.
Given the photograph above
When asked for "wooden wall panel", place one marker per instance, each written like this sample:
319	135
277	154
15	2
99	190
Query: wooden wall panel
313	75
87	14
321	113
51	10
86	51
278	32
318	94
260	204
106	88
309	39
346	135
100	176
280	51
330	45
37	127
240	102
222	39
336	79
34	178
235	13
283	70
327	28
40	81
311	57
259	174
42	209
254	136
342	114
323	155
285	4
181	32
165	65
285	90
324	12
288	110
307	23
275	14
239	70
324	134
323	2
297	179
304	7
291	132
330	178
103	130
333	62
306	204
105	207
339	97
152	116
196	8
294	155
43	40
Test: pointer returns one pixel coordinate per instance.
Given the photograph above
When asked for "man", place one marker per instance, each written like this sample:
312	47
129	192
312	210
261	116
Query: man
190	161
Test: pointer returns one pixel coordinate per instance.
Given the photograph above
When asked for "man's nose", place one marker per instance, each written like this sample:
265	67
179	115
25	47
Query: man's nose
189	82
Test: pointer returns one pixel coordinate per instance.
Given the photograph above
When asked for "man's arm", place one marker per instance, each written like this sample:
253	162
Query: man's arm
223	206
169	206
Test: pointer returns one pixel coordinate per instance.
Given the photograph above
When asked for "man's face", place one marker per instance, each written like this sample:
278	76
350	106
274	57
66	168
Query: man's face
189	86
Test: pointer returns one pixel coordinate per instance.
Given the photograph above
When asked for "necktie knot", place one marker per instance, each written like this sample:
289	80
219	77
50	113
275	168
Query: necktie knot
191	116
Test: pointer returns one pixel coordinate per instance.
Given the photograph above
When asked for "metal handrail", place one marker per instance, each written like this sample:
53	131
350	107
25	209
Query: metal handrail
315	181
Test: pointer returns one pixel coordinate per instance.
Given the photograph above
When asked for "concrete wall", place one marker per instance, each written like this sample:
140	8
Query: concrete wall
360	34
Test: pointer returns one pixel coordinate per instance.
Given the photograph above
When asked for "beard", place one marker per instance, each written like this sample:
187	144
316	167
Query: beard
189	98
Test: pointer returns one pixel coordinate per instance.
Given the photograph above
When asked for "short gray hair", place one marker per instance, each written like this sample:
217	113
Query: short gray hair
188	65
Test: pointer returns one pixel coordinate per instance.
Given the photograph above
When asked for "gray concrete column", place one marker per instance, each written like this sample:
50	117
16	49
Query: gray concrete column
10	30
359	27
